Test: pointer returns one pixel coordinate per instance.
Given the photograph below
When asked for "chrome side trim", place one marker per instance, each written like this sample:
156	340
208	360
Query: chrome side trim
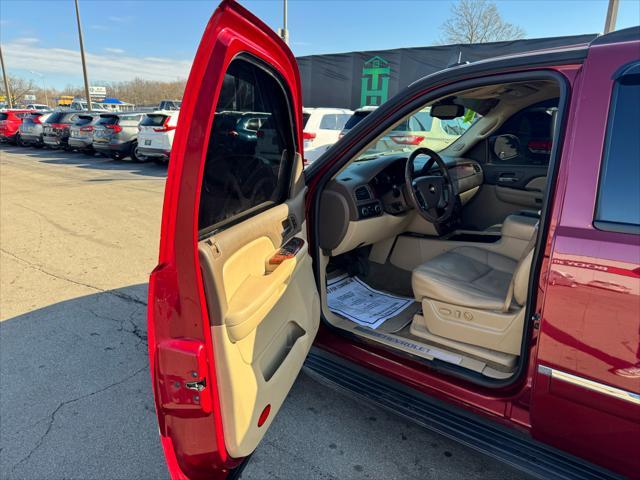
590	384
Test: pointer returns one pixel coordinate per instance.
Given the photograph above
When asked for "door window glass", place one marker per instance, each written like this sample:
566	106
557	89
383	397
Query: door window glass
246	170
618	206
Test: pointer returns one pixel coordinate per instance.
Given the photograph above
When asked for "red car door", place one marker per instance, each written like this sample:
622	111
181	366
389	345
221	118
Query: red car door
587	383
233	305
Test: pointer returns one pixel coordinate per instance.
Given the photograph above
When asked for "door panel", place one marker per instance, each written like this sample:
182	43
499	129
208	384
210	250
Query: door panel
493	203
526	198
228	331
264	319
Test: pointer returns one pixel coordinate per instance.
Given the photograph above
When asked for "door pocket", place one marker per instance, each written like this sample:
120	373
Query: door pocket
276	353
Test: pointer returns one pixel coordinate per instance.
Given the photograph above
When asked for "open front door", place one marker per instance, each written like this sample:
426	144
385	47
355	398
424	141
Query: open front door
233	305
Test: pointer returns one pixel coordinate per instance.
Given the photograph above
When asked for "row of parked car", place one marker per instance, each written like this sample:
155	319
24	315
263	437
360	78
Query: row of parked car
149	136
140	136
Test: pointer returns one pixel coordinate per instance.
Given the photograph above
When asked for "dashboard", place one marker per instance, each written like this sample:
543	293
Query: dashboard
375	189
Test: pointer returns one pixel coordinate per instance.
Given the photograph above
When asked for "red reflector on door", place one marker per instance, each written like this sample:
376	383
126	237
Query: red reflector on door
264	415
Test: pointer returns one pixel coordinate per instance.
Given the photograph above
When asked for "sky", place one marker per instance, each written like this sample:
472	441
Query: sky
157	39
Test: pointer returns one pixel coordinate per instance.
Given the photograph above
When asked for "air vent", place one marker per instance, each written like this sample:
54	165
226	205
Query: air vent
362	193
476	168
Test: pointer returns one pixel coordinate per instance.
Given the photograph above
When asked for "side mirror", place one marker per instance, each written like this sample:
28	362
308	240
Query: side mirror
506	147
446	111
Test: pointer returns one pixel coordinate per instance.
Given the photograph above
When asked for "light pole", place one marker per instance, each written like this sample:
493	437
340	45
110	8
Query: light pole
84	62
44	87
612	15
6	80
284	33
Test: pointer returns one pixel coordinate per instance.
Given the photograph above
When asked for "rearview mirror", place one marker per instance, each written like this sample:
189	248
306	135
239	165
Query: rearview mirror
446	111
506	146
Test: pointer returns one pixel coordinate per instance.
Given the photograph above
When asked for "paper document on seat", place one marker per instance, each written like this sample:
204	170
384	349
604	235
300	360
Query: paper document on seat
355	300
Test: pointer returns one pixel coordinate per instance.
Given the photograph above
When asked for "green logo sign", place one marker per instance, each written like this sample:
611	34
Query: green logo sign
375	81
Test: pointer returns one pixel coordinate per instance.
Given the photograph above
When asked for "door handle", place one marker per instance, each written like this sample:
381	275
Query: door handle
507	179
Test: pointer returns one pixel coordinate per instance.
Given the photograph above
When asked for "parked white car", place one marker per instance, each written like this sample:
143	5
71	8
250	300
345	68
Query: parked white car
322	127
155	136
38	107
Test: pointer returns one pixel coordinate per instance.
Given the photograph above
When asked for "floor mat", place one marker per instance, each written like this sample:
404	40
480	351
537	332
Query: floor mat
353	299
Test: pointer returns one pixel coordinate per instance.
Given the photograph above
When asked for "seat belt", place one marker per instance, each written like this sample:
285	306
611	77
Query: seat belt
530	246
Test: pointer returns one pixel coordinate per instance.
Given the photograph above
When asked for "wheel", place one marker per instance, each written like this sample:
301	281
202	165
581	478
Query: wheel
136	156
19	141
117	156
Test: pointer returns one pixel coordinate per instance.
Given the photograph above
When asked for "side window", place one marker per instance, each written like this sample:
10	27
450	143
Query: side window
246	172
533	127
618	206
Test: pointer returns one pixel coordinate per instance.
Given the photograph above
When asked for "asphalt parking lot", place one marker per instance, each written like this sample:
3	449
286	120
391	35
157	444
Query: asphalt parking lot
78	238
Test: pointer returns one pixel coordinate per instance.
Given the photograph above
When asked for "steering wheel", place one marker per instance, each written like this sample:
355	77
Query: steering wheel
431	195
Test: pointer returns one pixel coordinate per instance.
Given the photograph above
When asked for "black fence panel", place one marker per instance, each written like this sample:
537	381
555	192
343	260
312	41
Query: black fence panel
356	79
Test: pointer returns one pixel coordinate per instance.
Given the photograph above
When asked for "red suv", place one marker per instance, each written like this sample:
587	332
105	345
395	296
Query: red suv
10	121
422	280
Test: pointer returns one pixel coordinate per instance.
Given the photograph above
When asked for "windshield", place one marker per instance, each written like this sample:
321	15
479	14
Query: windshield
83	120
107	120
420	130
153	120
55	117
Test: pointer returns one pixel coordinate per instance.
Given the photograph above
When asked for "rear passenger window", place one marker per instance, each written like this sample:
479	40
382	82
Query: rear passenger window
618	206
247	171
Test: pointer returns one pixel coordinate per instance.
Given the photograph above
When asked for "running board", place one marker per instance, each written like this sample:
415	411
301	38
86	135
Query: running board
507	445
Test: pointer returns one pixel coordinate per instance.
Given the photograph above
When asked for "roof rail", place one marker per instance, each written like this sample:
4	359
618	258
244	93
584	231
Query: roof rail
624	35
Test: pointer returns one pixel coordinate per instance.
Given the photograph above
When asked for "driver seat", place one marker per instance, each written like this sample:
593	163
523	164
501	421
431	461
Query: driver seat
474	296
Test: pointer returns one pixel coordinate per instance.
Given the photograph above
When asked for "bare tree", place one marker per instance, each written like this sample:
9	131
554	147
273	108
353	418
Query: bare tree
19	87
138	91
478	21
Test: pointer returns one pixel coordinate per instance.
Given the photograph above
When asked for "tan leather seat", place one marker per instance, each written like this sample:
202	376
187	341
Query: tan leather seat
474	296
466	276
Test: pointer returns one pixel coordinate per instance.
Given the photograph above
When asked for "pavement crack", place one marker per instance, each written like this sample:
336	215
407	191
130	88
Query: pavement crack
52	416
123	296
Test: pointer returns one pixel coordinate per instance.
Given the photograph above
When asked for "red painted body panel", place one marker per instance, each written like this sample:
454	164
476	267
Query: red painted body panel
591	321
192	435
10	126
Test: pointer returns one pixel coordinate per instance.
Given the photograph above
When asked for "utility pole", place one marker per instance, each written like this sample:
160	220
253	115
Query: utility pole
612	15
6	80
284	33
84	61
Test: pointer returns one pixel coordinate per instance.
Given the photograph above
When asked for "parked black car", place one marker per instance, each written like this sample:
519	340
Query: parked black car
56	129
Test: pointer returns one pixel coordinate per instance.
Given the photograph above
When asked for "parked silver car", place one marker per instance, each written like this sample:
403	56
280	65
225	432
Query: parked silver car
116	135
31	129
81	132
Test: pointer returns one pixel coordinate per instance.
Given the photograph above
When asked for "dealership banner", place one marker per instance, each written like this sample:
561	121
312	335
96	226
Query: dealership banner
357	79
